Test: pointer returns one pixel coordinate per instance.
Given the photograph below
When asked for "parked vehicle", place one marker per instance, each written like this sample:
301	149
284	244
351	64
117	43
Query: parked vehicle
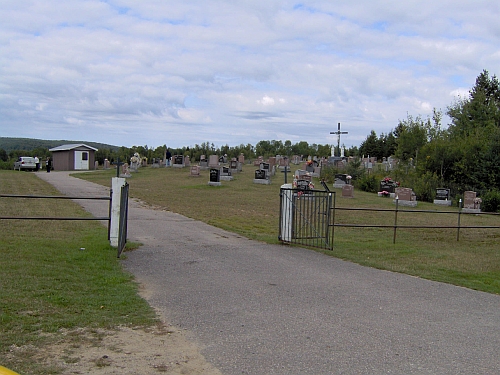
25	163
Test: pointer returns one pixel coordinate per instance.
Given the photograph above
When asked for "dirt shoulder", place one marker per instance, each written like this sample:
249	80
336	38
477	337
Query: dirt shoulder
124	351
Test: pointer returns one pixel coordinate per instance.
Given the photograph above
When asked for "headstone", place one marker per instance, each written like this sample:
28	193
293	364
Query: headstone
96	165
272	162
388	185
233	165
442	197
265	167
309	166
203	163
214	177
259	160
301	174
125	171
316	172
340	180
213	161
302	184
261	177
471	202
106	164
348	191
405	197
178	161
195	171
156	163
241	159
187	161
225	174
134	166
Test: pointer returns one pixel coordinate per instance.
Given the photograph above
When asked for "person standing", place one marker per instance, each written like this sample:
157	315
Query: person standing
48	164
168	157
37	163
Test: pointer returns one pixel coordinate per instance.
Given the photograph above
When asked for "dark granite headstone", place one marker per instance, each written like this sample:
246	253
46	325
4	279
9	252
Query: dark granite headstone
443	194
260	174
214	175
178	159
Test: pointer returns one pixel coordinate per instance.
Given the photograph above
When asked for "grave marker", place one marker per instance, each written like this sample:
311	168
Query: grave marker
348	191
471	202
340	180
225	174
442	197
405	197
178	161
213	161
214	177
195	170
261	177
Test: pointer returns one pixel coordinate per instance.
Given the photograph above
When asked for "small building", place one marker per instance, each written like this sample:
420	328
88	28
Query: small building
74	157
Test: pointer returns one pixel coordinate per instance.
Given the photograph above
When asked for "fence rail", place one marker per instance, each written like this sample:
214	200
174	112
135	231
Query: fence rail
397	210
105	218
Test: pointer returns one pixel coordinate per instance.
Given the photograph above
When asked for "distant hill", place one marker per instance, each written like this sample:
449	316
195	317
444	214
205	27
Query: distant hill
28	144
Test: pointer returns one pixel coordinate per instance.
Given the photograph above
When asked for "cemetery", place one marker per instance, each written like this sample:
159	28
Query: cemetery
242	195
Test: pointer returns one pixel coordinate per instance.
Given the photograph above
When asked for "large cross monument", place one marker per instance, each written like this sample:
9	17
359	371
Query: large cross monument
338	132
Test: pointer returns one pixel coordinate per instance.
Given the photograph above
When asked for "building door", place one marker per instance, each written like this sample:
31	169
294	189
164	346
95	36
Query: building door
81	160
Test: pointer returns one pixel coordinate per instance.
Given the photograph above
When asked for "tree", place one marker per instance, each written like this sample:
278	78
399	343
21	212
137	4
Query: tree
411	136
480	112
371	146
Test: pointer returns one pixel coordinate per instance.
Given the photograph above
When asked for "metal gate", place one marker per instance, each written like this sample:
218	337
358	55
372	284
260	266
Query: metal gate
306	217
122	226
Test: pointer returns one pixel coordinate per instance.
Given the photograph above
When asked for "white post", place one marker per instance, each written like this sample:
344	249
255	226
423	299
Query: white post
116	186
287	214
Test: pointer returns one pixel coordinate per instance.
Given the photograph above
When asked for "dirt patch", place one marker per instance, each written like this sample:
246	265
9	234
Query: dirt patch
125	351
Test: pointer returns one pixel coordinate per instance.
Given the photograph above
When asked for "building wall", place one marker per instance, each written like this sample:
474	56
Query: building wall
65	160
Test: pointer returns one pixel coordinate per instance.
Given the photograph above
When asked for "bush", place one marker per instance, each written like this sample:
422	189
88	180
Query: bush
491	201
6	165
369	183
425	186
328	173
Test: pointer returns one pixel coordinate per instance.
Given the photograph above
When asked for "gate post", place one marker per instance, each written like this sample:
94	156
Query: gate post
116	187
286	214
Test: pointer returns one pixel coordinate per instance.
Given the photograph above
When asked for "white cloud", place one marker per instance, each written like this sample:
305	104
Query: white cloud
191	70
266	100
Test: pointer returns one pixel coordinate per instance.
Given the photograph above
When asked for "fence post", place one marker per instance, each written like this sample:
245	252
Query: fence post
286	213
395	220
116	188
459	213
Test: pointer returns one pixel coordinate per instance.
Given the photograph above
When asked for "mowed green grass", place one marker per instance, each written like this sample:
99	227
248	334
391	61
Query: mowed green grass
49	286
252	210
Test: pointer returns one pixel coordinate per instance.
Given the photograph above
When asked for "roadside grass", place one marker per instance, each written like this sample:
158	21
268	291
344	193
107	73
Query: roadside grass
57	277
252	210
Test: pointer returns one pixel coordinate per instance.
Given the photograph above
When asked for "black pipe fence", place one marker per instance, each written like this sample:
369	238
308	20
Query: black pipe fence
397	226
105	218
309	218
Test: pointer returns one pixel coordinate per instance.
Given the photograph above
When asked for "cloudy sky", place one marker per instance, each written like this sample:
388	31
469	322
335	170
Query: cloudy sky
180	73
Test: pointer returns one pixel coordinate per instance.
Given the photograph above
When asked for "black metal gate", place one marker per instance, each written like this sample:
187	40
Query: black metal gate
122	226
306	217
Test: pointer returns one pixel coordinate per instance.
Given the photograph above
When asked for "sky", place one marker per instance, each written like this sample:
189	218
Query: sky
181	73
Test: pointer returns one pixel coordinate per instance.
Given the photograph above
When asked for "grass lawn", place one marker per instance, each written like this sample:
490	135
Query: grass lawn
48	284
252	210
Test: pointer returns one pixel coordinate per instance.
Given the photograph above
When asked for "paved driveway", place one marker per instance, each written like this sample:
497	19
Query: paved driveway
255	308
